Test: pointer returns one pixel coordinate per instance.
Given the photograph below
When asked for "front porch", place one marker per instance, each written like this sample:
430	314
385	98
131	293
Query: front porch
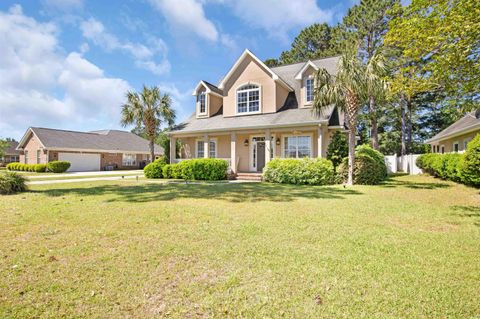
250	151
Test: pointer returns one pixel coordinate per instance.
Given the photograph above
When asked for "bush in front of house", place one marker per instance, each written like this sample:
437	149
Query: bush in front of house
369	167
309	171
40	168
167	171
470	165
155	169
11	182
366	171
202	169
58	166
338	148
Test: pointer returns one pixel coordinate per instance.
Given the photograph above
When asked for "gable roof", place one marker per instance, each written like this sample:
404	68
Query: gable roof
12	149
104	140
248	53
209	87
470	122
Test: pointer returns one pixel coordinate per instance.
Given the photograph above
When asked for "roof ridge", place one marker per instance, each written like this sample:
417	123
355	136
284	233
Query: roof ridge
305	61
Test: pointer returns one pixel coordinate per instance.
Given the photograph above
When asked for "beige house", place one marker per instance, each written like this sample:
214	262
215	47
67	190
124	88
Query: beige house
257	113
86	151
456	137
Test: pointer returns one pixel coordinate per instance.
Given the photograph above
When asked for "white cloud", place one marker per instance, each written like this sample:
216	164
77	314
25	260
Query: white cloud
63	5
182	101
277	17
187	15
145	57
41	86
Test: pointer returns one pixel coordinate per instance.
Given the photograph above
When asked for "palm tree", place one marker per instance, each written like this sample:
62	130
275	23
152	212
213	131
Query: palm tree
148	110
348	89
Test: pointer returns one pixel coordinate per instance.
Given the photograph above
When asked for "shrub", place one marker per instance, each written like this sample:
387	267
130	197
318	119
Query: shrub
376	155
11	182
337	149
311	171
40	168
366	170
470	166
155	169
58	166
451	167
12	166
167	171
207	169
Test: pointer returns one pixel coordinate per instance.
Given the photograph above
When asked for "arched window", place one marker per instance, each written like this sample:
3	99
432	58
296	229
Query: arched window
248	99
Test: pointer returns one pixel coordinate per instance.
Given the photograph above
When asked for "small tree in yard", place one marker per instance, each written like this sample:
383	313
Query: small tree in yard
338	148
347	90
148	110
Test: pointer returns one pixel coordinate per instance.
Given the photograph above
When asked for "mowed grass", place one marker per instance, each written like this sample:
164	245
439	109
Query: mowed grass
124	249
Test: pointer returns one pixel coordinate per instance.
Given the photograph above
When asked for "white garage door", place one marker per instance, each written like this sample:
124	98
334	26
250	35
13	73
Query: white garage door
81	162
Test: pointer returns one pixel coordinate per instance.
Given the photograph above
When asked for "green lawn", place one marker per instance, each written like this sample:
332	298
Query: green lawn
117	249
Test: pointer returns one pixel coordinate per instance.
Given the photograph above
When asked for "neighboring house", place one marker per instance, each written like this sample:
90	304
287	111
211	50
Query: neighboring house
257	113
456	137
86	151
11	154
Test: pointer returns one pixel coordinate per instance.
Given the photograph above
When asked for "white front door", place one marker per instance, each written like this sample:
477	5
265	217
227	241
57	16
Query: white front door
81	162
257	152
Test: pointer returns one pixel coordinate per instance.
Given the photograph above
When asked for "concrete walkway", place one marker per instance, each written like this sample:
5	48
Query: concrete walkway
81	180
80	174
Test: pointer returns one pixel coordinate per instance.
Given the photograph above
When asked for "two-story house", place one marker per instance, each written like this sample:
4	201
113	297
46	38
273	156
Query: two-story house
257	113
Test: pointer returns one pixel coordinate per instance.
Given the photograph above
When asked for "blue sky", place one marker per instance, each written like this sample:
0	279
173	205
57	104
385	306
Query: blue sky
68	63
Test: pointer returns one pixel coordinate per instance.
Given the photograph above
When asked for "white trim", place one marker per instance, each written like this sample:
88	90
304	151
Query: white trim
466	141
81	150
207	89
206	103
23	140
299	74
273	137
282	143
213	139
458	147
249	90
310	77
263	65
442	146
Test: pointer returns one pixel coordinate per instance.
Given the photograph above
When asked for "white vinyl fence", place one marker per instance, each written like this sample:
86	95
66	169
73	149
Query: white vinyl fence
405	164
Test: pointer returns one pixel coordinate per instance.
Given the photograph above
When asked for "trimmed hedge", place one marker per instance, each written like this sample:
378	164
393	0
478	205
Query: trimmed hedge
11	182
369	167
310	171
154	169
39	168
207	169
470	165
58	166
462	168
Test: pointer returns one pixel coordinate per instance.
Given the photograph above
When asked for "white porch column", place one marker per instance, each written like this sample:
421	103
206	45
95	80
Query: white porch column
206	148
268	146
233	152
173	149
320	138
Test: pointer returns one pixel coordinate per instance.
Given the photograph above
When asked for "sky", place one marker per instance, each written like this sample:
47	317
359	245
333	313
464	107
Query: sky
68	64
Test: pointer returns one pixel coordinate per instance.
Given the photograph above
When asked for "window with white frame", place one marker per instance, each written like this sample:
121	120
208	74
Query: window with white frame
202	104
248	98
442	149
26	157
200	149
465	143
39	157
455	147
297	146
309	90
129	159
212	149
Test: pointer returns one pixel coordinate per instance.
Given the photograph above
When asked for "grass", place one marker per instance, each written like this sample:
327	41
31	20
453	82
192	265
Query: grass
116	249
65	177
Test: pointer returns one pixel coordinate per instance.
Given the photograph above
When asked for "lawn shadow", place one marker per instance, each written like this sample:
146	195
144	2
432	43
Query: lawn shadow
236	193
392	182
472	212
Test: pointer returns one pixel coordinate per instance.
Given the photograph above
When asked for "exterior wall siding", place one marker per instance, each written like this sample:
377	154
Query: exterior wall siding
448	143
32	146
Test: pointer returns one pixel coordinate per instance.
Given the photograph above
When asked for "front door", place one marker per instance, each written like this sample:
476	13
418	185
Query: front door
260	156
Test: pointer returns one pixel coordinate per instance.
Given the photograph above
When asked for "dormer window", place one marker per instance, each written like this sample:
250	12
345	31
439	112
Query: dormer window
248	99
309	89
202	104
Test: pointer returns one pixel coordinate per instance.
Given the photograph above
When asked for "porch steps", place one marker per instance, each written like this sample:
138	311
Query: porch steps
249	177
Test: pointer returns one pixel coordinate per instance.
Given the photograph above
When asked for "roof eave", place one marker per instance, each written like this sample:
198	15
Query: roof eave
466	130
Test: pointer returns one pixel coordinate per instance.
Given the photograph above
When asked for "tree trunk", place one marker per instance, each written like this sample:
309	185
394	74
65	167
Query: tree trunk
351	151
409	127
373	121
152	150
403	130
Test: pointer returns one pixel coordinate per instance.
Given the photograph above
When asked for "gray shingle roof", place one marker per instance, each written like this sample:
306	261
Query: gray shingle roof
470	121
105	140
12	149
287	117
213	87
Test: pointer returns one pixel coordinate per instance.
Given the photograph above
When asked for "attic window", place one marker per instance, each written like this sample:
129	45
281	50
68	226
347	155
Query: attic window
202	106
309	89
248	99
